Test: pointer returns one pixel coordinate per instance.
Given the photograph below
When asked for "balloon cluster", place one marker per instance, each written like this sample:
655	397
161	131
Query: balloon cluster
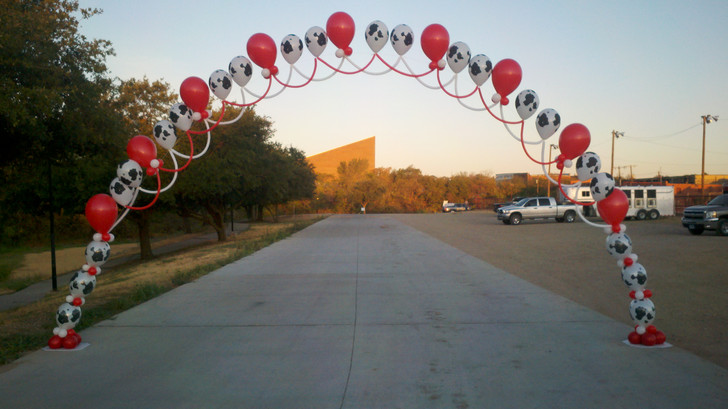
102	209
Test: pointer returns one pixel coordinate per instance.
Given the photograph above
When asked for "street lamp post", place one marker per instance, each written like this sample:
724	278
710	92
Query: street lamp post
706	120
549	171
615	134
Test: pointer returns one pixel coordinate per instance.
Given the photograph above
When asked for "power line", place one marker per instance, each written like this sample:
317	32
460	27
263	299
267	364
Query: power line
664	136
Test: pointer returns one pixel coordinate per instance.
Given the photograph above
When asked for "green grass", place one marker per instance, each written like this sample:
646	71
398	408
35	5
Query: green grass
14	346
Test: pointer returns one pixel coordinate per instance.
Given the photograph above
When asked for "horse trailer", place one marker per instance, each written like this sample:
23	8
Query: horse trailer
645	202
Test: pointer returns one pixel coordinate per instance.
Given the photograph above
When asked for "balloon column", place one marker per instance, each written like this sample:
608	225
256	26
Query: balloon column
574	139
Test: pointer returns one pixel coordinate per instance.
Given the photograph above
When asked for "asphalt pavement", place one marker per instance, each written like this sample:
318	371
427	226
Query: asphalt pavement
361	312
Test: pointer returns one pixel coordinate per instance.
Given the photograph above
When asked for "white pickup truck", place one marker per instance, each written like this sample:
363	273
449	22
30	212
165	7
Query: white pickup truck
537	208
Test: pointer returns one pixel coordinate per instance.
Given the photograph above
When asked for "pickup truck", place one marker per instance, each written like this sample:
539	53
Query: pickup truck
713	216
536	208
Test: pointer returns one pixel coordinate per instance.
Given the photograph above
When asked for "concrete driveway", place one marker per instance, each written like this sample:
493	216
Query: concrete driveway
361	312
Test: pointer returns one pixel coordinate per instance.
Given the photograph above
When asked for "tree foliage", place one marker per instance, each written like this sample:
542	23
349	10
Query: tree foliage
242	167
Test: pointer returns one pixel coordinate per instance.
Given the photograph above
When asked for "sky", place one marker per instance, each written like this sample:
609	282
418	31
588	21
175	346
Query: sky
648	69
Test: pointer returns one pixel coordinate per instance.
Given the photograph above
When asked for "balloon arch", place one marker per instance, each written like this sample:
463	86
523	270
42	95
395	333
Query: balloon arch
102	209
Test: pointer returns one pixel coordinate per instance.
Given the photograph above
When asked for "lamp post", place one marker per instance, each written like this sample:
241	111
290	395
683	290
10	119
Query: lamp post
706	120
615	135
549	171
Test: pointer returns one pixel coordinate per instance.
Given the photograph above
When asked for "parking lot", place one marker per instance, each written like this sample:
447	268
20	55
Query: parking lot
686	273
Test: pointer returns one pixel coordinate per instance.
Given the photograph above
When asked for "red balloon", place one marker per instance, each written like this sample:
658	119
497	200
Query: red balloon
507	76
340	29
649	339
660	337
101	212
614	207
634	338
435	41
195	93
142	150
262	50
70	342
55	342
574	140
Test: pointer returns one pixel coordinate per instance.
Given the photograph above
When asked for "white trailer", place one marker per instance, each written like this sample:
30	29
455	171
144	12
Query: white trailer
645	202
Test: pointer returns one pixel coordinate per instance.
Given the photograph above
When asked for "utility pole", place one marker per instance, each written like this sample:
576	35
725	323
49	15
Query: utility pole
552	146
706	120
615	135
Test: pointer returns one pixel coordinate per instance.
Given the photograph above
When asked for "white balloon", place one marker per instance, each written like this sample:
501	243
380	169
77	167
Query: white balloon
619	245
587	166
316	40
130	173
458	56
547	122
642	311
376	35
241	69
291	48
164	134
480	69
402	39
527	103
221	83
635	276
601	186
67	316
97	253
81	284
181	116
121	192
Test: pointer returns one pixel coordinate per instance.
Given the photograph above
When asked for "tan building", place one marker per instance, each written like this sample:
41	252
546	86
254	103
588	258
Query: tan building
327	162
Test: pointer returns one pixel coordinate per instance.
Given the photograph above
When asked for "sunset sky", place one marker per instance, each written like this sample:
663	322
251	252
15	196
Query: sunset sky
648	70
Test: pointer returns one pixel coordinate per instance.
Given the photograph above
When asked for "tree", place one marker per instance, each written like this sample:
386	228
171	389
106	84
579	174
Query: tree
55	116
142	104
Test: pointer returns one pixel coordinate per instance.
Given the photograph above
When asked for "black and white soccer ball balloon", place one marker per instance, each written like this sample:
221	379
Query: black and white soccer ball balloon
241	69
81	284
642	311
97	253
601	186
68	316
588	166
480	68
221	83
619	245
376	35
635	276
402	39
181	116
527	103
316	40
548	122
122	193
458	56
291	48
164	134
130	173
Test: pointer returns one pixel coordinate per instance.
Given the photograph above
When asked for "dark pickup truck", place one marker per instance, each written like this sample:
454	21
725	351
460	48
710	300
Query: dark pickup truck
713	216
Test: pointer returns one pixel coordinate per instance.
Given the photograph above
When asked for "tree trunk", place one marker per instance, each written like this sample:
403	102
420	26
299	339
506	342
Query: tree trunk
218	220
187	225
145	242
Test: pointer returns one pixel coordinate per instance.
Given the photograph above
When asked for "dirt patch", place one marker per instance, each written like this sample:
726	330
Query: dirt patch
686	273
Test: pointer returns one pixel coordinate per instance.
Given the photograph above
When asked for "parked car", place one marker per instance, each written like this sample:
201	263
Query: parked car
713	216
455	207
536	208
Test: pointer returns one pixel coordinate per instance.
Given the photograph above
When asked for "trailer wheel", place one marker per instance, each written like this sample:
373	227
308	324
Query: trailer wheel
641	214
654	214
569	216
515	219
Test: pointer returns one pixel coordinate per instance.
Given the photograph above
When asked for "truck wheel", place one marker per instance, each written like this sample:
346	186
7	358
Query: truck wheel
569	217
653	214
506	221
515	219
641	214
560	219
696	230
723	227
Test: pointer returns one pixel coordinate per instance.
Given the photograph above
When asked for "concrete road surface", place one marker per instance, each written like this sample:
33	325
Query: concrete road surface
361	312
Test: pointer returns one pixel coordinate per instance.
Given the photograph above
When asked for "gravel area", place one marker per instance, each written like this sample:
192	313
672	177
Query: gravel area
687	274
